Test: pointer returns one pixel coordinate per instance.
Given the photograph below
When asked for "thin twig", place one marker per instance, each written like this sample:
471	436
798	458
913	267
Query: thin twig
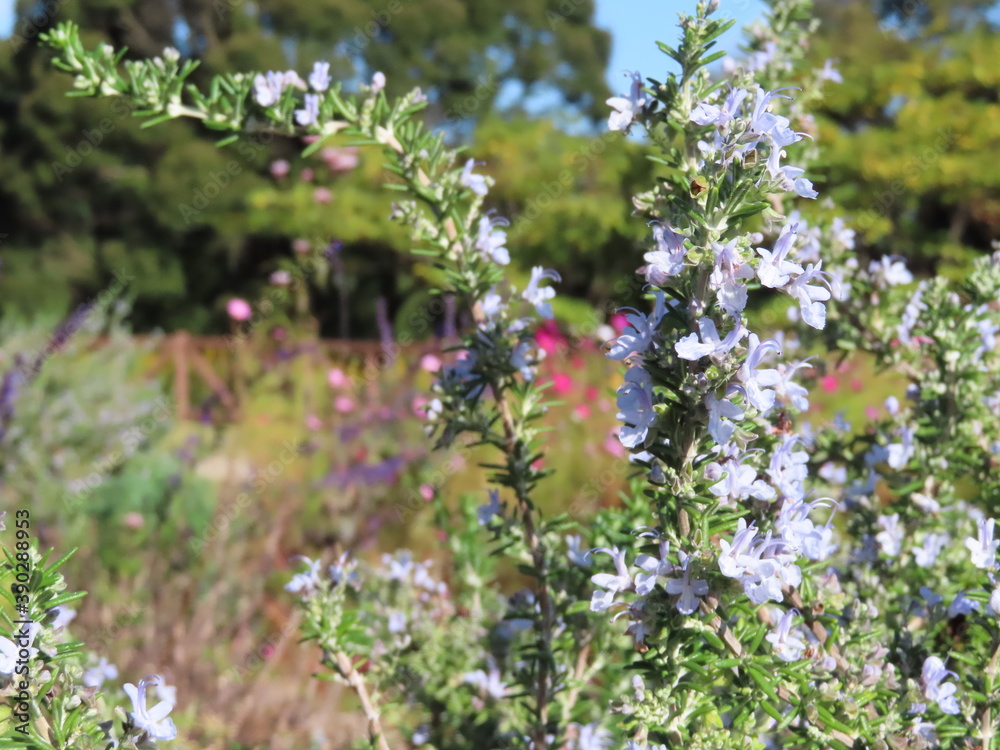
354	679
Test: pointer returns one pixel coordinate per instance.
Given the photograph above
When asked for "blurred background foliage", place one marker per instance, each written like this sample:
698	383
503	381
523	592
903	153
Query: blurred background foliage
911	140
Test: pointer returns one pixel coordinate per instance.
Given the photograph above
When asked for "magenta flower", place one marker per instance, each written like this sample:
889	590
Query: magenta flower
239	309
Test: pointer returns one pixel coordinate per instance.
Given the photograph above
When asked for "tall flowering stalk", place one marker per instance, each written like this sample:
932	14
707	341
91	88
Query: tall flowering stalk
764	591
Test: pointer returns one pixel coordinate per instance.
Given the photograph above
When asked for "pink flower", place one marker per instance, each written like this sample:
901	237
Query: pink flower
343	404
340	159
314	423
301	246
307	175
581	411
618	322
238	309
592	393
613	445
134	521
857	385
337	379
538	465
871	412
279	169
322	195
549	338
268	651
419	407
829	383
430	363
561	383
427	492
281	278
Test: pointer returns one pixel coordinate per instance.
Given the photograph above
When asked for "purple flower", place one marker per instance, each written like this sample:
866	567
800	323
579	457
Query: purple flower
787	644
638	334
935	689
635	402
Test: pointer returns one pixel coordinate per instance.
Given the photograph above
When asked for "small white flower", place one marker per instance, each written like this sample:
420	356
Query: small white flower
378	81
788	645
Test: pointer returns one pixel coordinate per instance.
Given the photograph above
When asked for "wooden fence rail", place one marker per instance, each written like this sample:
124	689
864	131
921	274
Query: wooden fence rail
219	362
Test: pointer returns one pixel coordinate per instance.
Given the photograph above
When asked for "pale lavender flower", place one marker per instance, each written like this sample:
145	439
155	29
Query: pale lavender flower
653	568
378	81
728	276
612	584
756	381
310	114
775	270
488	682
635	404
639	333
830	73
668	258
63	617
307	582
475	182
490	240
811	298
721	116
935	689
721	412
539	296
627	108
319	79
96	675
738	483
788	645
934	544
788	391
710	343
591	737
890	538
580	557
396	622
890	271
154	722
688	591
983	548
731	558
268	88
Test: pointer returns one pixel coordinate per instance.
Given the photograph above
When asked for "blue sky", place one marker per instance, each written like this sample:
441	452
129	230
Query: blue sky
635	25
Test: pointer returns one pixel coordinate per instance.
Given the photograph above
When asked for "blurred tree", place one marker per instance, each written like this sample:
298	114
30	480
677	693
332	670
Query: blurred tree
85	192
911	138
